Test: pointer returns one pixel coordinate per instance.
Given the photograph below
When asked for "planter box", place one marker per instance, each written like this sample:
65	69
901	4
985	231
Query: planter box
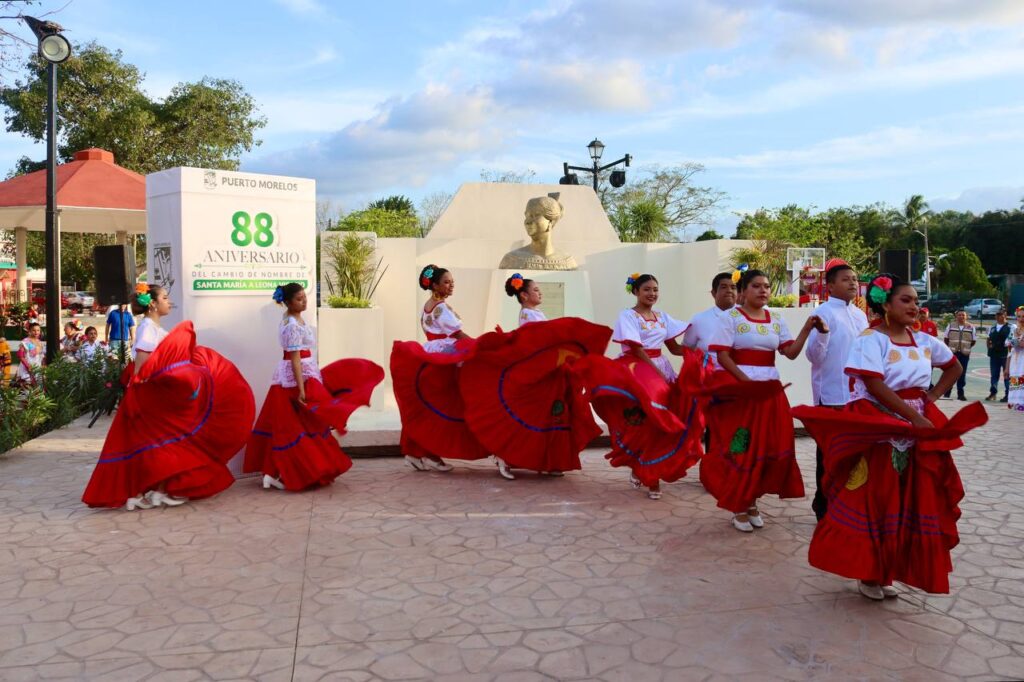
351	333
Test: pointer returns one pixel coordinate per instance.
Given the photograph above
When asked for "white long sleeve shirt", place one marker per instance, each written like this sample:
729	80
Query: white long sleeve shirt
828	352
703	327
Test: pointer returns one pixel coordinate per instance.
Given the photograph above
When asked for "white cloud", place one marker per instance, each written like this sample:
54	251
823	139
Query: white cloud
875	13
405	142
615	86
980	199
303	7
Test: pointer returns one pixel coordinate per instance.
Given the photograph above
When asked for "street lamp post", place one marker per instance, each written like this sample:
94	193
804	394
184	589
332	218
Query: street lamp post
54	48
596	149
927	264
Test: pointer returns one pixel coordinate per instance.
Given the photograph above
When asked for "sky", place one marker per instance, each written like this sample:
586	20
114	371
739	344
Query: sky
814	102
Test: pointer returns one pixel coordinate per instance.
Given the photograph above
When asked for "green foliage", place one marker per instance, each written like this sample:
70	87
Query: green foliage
769	256
642	220
208	124
347	302
76	263
396	203
836	230
66	390
783	301
708	235
380	221
997	237
672	189
352	275
961	270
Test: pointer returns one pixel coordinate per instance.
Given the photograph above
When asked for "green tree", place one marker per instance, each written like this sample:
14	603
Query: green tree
997	237
836	231
76	263
673	189
961	270
708	235
383	222
642	220
395	202
209	123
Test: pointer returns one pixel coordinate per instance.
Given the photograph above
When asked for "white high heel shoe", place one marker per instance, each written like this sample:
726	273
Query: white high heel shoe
271	482
436	464
157	498
140	502
503	469
416	463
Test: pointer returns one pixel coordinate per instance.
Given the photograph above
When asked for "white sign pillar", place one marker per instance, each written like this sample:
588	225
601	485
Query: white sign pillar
220	242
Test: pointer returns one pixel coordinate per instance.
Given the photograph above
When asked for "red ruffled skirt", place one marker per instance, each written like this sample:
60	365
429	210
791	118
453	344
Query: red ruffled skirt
655	427
433	413
752	447
294	442
521	399
883	525
181	419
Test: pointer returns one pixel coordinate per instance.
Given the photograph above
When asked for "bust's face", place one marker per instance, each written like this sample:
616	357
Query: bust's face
536	224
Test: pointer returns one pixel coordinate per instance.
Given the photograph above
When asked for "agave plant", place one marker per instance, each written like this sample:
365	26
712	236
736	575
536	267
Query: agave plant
352	276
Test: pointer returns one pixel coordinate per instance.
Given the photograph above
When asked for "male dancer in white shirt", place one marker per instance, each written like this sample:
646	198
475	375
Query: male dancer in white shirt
828	352
704	324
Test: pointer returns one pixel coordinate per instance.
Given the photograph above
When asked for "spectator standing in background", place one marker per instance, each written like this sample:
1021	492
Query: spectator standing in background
960	337
120	329
998	352
927	324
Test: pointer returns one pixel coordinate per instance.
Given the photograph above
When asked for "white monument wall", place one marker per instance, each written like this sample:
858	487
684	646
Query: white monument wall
484	222
220	278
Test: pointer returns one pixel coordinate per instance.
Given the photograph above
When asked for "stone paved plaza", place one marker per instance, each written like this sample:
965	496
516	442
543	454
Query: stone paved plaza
392	574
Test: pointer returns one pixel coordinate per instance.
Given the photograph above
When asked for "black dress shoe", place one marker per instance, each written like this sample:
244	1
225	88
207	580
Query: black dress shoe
1003	399
960	397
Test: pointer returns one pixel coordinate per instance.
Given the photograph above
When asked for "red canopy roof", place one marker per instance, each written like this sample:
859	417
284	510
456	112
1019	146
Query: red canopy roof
92	180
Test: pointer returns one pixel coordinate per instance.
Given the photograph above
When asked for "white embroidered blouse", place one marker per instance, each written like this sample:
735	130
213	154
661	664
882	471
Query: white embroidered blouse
528	315
632	329
899	366
301	337
441	321
740	332
148	335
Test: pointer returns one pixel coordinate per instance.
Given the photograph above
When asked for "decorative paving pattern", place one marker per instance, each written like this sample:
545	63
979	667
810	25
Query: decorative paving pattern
392	574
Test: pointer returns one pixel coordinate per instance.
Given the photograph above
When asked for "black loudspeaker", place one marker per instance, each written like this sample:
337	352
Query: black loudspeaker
115	274
896	262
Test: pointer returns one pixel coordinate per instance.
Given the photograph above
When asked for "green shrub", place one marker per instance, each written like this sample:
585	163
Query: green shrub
347	302
783	301
352	274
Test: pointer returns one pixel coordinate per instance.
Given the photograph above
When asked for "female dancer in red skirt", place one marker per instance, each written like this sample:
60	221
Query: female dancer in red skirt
292	443
752	447
186	411
890	481
425	379
521	399
655	427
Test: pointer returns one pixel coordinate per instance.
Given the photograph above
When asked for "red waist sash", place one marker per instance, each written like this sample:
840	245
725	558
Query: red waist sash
653	352
751	357
302	354
431	336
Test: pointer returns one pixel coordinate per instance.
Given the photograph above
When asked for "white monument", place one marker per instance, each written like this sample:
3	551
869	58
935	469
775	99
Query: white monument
220	242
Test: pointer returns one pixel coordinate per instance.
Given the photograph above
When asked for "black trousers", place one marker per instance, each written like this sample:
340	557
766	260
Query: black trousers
820	503
963	359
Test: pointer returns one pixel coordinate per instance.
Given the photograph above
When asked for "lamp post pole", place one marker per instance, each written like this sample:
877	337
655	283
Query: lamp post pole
52	227
54	48
596	148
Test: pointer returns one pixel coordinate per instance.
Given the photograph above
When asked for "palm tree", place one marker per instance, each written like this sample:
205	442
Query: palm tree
914	218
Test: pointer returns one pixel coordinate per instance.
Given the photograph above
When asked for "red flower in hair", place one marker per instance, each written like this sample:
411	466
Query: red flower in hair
883	283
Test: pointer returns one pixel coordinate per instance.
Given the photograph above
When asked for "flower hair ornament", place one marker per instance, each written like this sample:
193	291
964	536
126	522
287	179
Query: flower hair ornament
279	294
142	294
630	281
516	281
426	276
738	272
879	289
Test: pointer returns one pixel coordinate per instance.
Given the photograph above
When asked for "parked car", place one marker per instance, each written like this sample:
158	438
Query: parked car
39	298
983	306
80	300
945	302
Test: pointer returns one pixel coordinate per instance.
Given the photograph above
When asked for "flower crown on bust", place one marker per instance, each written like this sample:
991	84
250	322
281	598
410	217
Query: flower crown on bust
630	281
278	294
142	294
426	276
738	272
516	281
879	289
